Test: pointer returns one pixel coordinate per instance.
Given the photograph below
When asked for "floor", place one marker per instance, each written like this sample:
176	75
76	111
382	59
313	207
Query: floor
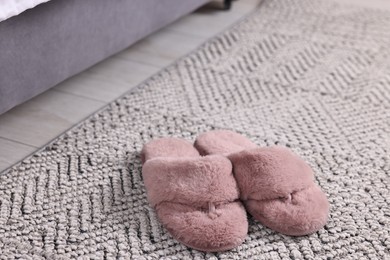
33	124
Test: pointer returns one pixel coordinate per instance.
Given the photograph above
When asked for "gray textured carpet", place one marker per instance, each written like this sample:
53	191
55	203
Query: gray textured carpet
307	74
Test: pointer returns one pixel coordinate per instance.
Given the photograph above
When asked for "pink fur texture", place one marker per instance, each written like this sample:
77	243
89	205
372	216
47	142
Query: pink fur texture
222	142
196	198
195	180
168	147
270	172
276	186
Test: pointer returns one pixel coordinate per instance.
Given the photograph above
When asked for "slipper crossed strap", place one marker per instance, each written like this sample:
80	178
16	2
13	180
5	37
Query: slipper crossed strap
195	198
276	186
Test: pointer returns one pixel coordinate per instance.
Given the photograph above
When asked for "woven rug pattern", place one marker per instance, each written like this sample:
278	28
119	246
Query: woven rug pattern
307	74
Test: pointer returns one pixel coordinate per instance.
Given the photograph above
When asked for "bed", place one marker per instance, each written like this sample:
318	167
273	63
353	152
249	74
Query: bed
43	42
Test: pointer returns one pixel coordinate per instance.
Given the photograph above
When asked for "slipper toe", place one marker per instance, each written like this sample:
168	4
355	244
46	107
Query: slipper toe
203	230
278	189
303	213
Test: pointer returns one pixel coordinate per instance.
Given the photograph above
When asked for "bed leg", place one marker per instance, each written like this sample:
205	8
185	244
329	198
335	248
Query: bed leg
227	4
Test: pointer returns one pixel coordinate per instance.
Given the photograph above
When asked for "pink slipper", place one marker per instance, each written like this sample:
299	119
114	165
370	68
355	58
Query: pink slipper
276	186
196	198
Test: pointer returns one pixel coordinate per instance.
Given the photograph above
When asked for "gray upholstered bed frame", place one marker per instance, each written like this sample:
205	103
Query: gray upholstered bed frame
53	41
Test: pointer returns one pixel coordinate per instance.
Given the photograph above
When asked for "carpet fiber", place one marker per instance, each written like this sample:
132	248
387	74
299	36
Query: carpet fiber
307	74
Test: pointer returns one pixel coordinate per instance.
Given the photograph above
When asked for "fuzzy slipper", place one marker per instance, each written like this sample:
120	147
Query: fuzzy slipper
196	198
276	186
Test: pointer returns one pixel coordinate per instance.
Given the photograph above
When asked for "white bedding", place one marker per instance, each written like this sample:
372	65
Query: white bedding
9	8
